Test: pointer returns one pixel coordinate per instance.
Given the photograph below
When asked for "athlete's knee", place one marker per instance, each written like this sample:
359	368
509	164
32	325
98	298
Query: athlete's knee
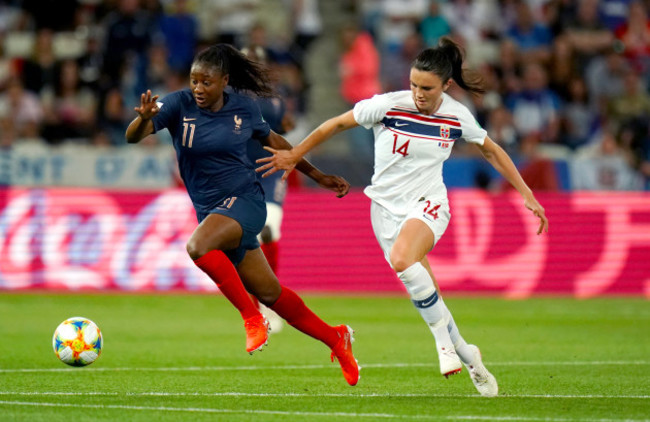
196	248
399	262
268	293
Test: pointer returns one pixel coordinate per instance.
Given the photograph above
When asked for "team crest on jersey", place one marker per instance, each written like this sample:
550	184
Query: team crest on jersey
238	121
445	131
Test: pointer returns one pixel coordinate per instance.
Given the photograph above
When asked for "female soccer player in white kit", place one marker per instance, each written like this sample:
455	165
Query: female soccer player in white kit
414	133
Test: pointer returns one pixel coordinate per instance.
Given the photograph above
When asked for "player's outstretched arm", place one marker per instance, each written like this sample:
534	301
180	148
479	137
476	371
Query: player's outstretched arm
337	184
142	126
288	158
501	161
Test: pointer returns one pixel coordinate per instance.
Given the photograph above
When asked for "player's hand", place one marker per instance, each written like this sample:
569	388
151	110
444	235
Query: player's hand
537	209
280	160
336	184
148	106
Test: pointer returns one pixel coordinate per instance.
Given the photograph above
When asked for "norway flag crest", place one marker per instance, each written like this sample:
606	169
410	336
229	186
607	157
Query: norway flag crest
445	131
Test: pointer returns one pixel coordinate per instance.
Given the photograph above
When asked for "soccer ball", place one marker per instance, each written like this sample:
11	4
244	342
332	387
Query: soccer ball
77	341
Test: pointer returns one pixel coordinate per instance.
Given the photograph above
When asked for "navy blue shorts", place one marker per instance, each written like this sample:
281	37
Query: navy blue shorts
250	213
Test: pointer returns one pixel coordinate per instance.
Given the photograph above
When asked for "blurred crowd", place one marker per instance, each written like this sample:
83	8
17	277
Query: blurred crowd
566	79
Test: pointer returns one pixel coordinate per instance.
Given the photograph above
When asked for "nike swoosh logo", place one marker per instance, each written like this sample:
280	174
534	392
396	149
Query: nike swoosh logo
401	124
186	119
428	303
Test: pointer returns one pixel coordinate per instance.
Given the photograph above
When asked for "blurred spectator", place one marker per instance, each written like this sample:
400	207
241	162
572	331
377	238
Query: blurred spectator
359	69
634	36
535	109
400	18
114	117
508	68
71	112
158	67
604	77
91	62
614	12
434	25
234	19
21	110
502	130
10	16
533	38
563	66
7	65
179	28
307	26
396	66
39	72
579	118
474	21
604	165
358	65
632	104
586	33
129	32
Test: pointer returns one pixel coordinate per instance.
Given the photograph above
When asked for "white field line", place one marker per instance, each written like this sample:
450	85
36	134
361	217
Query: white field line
324	395
310	414
303	367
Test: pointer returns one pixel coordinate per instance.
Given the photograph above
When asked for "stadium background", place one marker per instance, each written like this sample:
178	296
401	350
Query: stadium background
568	98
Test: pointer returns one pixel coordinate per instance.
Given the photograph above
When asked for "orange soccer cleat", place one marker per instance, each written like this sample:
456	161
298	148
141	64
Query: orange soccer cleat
257	333
343	353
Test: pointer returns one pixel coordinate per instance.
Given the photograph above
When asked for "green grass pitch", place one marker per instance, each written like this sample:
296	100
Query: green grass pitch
181	357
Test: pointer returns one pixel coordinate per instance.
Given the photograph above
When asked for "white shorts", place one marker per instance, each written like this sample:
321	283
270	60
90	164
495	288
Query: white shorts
435	214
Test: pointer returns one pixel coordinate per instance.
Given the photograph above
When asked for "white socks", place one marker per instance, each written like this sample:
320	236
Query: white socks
423	294
462	348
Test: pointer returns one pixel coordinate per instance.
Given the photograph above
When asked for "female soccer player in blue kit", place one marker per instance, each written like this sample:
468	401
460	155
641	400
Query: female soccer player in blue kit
210	129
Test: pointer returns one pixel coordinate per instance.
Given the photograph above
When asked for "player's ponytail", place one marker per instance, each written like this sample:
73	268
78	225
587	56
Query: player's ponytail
243	73
446	61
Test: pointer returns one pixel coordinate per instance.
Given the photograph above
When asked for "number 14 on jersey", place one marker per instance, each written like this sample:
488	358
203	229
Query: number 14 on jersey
402	148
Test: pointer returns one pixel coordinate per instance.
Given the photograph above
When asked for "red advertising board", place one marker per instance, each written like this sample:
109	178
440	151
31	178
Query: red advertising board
598	243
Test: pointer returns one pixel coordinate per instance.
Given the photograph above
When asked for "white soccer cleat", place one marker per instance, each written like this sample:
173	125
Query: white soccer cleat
449	362
483	380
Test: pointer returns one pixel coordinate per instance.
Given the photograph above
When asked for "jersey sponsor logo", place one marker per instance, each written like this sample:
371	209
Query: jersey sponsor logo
238	122
188	119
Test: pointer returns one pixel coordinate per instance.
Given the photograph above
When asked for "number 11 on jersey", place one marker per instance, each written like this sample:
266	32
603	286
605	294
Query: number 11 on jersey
192	126
403	149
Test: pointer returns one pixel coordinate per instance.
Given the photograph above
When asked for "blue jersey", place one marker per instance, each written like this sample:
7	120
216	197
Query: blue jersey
211	147
273	110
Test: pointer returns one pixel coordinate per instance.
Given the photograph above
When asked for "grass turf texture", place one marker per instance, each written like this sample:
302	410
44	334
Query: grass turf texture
169	358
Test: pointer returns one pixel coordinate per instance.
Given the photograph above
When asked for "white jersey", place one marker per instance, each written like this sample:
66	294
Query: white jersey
410	147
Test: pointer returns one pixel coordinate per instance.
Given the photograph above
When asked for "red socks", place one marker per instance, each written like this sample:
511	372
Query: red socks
217	265
291	307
